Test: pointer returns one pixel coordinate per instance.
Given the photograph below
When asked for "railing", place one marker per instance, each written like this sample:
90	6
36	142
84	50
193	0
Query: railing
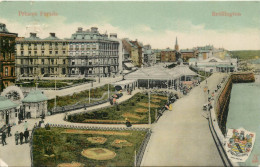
140	153
216	133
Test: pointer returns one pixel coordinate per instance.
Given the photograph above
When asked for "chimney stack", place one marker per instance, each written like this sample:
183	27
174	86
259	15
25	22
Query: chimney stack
33	35
113	35
52	34
80	29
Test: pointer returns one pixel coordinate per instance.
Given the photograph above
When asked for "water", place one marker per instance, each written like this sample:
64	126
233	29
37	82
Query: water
244	112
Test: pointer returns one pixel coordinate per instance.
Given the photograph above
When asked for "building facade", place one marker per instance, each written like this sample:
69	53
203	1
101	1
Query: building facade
7	57
92	54
135	51
37	57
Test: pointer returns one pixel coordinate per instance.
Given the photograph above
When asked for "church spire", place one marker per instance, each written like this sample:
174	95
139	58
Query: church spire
176	45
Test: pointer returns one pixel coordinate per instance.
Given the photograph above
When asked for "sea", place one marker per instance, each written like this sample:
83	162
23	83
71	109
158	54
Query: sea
244	112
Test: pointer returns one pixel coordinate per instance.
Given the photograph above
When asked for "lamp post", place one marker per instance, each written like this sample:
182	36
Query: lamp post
55	100
149	97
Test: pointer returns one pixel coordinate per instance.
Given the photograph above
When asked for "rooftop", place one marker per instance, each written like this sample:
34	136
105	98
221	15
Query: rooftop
34	97
6	104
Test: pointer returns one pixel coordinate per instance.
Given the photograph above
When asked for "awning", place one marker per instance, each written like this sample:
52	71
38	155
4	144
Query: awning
129	65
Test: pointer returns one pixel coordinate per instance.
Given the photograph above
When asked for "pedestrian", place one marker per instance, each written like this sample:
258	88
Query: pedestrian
3	138
26	135
16	137
208	91
25	125
127	123
9	130
21	138
206	82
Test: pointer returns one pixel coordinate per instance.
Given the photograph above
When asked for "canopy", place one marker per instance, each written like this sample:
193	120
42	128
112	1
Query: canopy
161	73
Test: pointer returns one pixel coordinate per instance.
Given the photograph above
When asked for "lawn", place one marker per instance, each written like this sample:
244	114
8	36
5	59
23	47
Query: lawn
135	110
51	83
59	146
81	97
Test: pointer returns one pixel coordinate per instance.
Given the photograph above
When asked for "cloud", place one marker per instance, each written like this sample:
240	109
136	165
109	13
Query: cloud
189	35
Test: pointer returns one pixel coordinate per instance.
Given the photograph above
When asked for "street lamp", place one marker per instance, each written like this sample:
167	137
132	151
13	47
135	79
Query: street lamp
55	100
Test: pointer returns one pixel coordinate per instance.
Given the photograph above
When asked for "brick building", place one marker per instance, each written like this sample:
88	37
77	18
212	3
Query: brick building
7	57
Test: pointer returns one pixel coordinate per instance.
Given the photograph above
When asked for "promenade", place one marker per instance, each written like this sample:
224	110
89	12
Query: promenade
182	136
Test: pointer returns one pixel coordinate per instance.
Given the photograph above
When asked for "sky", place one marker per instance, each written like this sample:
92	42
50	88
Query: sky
154	23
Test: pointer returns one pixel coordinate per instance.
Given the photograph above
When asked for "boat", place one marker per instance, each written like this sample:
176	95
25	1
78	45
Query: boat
239	144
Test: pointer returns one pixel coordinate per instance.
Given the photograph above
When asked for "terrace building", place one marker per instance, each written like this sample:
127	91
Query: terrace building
7	57
37	57
92	54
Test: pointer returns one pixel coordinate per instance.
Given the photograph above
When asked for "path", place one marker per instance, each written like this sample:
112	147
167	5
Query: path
51	93
182	136
19	155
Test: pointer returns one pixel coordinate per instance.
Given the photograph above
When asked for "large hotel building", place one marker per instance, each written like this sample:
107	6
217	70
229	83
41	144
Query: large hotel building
86	54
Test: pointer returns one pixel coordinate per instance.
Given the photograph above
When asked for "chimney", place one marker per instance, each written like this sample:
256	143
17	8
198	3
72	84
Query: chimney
94	29
33	35
52	34
80	29
113	35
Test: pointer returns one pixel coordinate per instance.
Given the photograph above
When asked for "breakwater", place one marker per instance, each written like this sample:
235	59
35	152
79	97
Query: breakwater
223	98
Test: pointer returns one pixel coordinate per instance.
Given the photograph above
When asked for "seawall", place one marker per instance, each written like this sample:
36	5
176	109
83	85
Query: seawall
223	98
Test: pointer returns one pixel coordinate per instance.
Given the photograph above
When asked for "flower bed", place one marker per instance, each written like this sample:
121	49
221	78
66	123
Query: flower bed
81	97
135	109
67	148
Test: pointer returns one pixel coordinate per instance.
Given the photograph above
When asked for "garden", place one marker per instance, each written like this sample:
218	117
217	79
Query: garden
51	83
96	94
73	147
135	110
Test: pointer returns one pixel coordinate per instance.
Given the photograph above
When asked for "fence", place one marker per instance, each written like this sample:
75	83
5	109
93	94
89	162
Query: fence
141	150
76	107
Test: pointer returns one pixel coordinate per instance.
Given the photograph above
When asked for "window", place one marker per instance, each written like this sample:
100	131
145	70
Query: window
64	52
12	71
56	52
64	61
50	52
52	61
35	52
42	51
73	63
42	61
6	71
22	53
30	52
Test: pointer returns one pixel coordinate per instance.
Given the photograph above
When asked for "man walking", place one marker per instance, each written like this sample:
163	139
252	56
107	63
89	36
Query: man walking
21	138
16	137
25	125
9	130
26	135
3	139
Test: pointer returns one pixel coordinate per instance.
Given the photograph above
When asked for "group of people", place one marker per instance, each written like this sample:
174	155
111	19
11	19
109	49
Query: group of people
21	136
3	136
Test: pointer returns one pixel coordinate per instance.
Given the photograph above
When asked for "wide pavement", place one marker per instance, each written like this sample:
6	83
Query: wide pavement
182	136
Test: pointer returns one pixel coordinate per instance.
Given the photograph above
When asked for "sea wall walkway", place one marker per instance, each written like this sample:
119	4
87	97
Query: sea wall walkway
182	137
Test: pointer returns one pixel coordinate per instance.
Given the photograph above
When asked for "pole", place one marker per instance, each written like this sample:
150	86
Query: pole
135	158
55	102
108	91
149	108
98	70
89	95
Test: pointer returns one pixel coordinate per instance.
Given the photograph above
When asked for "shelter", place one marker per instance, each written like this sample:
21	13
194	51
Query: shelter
35	104
8	111
158	76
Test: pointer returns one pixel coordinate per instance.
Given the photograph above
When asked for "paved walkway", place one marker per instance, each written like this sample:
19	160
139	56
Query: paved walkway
69	91
182	136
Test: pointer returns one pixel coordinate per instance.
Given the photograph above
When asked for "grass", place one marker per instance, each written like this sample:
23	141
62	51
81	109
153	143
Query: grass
133	109
51	83
245	54
81	97
67	147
